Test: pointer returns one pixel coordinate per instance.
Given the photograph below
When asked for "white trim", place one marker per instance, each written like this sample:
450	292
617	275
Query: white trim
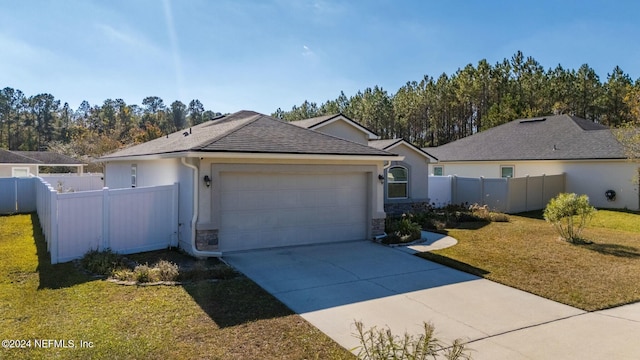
371	135
415	148
513	171
405	182
236	155
14	168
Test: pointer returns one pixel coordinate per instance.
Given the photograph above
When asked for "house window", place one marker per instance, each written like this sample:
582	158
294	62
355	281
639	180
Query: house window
438	171
506	171
397	182
134	175
20	172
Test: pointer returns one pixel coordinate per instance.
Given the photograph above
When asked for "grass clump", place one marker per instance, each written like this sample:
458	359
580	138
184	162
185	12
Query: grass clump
378	344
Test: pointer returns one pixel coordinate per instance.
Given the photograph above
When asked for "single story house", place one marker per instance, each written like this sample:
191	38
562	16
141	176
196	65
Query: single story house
248	181
589	154
23	163
406	181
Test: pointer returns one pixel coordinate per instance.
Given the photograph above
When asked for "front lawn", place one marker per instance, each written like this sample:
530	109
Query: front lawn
526	253
227	319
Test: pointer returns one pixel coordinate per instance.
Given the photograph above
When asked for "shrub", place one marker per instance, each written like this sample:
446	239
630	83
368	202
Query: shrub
569	214
167	271
402	230
102	262
383	344
143	274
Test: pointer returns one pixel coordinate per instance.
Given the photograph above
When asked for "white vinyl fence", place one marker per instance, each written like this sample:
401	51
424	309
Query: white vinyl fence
123	220
509	195
17	195
65	183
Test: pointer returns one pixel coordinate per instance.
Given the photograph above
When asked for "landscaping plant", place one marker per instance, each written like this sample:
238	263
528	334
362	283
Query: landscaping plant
569	214
377	344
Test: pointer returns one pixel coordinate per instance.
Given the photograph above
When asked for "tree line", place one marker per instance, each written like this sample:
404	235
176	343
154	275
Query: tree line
435	111
39	122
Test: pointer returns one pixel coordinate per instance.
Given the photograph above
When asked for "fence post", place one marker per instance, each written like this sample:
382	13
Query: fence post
482	195
174	214
53	227
454	189
105	244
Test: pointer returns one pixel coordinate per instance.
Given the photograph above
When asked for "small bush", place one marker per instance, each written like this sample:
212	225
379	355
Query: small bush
569	214
102	262
167	271
143	274
402	230
383	344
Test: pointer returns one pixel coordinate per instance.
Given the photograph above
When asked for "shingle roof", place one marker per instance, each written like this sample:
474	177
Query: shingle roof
48	157
559	137
36	157
248	132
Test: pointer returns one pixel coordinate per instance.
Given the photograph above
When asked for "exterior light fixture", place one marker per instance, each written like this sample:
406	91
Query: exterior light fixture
381	178
207	180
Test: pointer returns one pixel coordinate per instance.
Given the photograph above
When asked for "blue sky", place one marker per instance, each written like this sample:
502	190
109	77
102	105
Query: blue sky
262	55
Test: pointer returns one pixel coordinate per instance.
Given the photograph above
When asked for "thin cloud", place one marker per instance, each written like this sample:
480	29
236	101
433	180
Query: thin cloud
175	49
130	39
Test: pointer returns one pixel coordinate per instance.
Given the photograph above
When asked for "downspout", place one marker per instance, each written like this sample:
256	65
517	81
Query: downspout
194	219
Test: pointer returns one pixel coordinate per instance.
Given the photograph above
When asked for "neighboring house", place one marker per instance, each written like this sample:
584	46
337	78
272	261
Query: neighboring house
406	181
588	153
24	163
249	181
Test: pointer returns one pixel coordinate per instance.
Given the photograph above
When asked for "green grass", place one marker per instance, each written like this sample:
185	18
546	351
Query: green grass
526	253
227	319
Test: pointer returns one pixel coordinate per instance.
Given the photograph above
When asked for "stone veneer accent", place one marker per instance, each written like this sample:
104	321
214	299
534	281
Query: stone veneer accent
377	227
400	208
207	240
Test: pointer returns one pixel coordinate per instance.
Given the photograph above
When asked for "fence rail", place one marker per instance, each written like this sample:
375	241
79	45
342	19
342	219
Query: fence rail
123	220
509	195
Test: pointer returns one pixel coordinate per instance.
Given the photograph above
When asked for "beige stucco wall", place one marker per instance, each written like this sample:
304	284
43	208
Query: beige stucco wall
418	167
344	130
5	169
588	177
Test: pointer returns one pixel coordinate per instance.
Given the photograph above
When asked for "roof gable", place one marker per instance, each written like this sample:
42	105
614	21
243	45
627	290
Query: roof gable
559	137
317	123
248	132
390	144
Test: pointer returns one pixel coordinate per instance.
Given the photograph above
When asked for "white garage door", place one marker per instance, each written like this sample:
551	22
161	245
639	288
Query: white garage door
261	210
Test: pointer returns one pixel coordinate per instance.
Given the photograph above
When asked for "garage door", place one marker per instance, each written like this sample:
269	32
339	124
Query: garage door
261	210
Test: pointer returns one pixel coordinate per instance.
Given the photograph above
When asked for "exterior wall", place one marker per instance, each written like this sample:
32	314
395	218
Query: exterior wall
344	130
5	169
117	174
418	167
589	177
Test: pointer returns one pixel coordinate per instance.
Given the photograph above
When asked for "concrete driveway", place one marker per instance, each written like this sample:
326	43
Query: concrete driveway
333	285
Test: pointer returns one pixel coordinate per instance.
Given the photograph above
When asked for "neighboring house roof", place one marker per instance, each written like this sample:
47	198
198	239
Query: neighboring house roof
558	137
247	132
389	144
318	122
36	157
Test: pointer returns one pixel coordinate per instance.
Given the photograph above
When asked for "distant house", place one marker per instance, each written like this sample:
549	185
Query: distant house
589	154
249	181
24	163
406	182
